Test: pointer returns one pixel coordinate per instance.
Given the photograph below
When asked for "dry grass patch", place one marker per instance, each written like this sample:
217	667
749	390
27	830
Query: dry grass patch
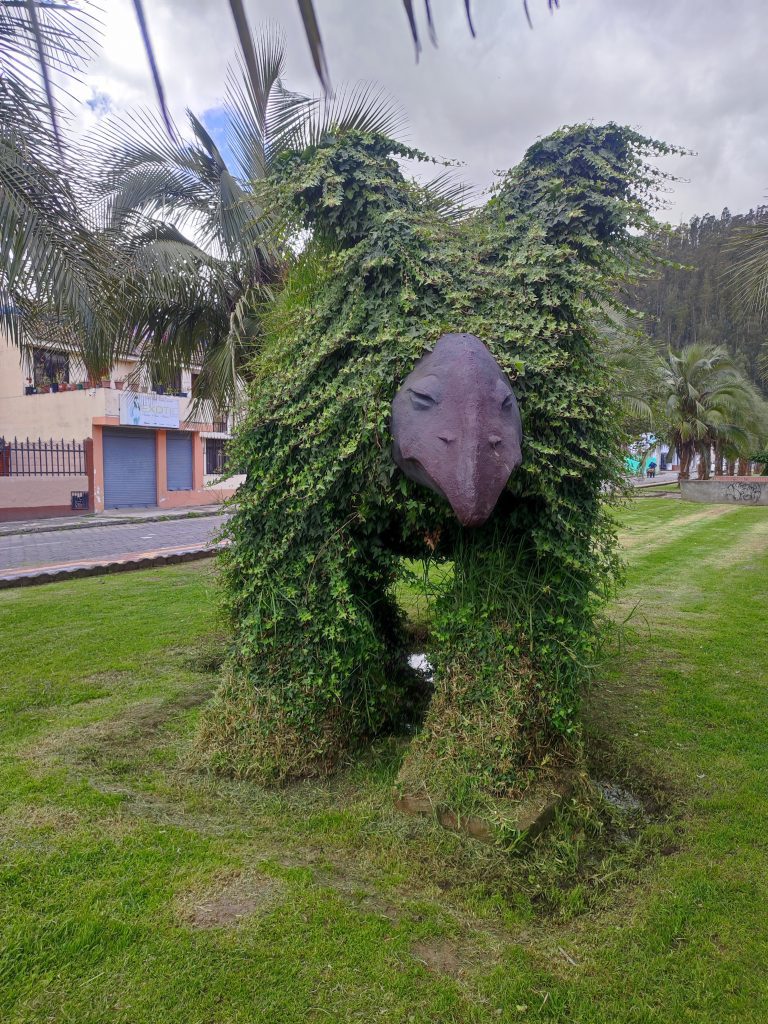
41	817
133	732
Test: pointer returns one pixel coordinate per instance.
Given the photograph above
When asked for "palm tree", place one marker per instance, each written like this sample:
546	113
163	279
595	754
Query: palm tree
201	254
50	262
706	402
633	364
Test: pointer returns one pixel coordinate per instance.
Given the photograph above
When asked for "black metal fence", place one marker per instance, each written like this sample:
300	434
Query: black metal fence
42	458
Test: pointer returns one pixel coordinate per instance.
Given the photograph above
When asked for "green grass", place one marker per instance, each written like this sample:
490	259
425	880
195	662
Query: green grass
134	890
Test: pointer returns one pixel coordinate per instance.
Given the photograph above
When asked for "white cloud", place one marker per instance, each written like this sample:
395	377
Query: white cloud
690	73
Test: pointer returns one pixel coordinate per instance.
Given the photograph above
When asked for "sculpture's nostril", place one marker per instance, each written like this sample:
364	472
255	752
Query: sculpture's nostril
494	440
448	438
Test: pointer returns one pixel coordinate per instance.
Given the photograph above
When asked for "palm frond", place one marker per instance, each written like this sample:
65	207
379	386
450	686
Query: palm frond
449	196
138	7
749	275
708	401
37	31
49	259
262	115
762	363
364	107
57	37
637	408
312	32
198	252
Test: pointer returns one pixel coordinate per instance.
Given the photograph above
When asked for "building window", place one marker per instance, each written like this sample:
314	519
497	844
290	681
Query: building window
215	456
49	367
172	387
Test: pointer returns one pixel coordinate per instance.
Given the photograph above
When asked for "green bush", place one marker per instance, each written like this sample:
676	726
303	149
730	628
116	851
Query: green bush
324	519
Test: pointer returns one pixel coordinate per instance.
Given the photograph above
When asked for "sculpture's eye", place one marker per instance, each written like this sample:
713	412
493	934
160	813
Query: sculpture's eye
509	402
421	400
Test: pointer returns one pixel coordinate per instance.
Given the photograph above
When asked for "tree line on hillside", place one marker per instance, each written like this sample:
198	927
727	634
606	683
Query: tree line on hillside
696	298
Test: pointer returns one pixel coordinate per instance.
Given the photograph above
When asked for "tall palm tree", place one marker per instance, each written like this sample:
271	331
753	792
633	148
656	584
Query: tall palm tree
706	402
201	255
50	262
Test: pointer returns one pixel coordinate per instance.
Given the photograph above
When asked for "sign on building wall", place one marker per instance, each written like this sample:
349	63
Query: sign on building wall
140	410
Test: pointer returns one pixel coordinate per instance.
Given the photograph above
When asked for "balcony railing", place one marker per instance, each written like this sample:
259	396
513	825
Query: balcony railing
42	458
88	385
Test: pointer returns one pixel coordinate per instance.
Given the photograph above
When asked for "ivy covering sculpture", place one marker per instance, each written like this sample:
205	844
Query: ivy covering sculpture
326	517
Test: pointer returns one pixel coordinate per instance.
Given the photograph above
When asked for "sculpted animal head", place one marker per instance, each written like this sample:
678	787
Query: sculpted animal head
456	426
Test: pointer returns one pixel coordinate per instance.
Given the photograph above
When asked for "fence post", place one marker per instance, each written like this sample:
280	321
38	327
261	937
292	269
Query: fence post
89	470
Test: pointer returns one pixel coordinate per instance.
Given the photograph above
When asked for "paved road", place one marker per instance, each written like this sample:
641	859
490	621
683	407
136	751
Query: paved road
105	543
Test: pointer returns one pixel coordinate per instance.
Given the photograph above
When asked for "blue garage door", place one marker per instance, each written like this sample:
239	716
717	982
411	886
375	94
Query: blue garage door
179	460
130	478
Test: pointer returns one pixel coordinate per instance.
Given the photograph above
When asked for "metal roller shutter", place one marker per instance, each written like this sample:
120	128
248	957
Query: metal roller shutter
130	478
178	455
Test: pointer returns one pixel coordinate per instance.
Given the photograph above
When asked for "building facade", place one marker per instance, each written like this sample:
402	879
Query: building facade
141	448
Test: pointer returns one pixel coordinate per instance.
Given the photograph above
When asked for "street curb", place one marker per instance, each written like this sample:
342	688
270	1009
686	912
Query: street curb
93	523
657	494
33	578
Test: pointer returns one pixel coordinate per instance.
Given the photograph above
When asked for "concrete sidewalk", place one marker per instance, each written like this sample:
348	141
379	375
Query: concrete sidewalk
669	476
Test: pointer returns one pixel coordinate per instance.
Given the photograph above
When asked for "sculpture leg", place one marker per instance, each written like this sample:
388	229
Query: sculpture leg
318	669
505	692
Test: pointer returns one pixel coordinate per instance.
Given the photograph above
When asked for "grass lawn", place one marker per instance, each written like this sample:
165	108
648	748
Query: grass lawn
134	890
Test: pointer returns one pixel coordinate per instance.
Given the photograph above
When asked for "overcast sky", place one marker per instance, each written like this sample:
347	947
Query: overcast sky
690	72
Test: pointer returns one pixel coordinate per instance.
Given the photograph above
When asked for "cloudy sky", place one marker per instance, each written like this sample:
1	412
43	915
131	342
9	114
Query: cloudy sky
690	72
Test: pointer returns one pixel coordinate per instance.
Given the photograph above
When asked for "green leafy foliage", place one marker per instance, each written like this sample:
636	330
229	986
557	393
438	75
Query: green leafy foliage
324	518
704	293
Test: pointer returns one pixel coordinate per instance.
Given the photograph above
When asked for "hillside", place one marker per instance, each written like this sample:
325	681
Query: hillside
698	303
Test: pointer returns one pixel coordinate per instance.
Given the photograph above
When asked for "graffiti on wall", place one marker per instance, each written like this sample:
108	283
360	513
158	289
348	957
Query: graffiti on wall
744	493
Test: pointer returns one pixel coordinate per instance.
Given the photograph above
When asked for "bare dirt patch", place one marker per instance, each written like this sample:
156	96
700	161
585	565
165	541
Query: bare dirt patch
459	958
232	899
439	956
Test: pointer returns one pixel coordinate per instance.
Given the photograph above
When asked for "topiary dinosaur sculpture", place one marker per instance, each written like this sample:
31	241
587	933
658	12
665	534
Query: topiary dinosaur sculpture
326	517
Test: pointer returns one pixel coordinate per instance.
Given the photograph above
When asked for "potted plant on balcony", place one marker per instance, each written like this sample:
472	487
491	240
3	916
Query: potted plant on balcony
119	385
